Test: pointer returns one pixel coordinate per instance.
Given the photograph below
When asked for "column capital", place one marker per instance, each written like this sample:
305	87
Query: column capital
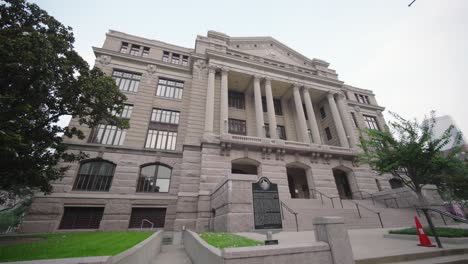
267	79
378	112
331	94
357	108
212	68
341	95
257	77
224	70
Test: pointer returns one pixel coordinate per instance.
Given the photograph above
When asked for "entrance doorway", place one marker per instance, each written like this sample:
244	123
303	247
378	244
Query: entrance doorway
297	182
342	184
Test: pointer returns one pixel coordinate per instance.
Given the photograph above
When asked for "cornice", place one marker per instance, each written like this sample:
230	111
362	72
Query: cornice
119	149
286	72
101	51
146	41
365	106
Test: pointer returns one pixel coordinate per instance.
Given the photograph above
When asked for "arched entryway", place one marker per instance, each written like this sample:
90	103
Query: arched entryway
244	166
343	184
395	183
298	182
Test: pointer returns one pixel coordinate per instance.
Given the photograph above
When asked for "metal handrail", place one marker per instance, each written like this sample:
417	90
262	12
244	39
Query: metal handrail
368	209
391	198
370	195
146	220
329	197
290	211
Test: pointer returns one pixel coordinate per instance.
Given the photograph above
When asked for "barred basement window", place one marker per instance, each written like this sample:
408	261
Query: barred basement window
81	217
124	47
237	126
236	100
328	133
127	81
170	88
145	52
160	139
154	178
126	111
108	135
94	175
157	216
371	122
165	116
165	57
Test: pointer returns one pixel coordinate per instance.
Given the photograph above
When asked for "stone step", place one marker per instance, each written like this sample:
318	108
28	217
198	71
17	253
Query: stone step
453	256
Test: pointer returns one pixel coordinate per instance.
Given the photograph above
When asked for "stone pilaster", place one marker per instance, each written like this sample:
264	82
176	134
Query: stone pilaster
270	108
338	122
342	107
312	120
258	107
223	126
209	108
304	135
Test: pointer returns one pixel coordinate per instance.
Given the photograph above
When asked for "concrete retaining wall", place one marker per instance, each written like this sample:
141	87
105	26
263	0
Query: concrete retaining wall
334	248
405	197
449	240
142	253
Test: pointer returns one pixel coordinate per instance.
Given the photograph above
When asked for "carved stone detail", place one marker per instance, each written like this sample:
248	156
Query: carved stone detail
200	66
104	59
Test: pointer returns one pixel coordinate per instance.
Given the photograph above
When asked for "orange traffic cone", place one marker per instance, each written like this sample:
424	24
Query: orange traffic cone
423	238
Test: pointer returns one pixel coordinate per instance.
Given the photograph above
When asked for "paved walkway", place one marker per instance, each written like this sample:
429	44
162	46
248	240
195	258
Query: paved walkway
172	254
366	243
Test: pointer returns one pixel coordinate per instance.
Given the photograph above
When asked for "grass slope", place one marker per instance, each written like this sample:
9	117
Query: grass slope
70	245
441	231
227	240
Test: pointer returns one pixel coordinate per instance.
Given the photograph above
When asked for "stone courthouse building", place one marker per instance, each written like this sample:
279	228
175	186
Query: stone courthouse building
230	108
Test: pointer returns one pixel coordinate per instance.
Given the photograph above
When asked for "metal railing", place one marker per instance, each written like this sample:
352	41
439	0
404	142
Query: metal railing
392	198
331	198
283	205
369	195
148	221
351	201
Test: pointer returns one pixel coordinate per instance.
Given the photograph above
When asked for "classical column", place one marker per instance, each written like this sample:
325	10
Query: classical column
312	120
337	119
209	109
270	108
223	126
258	106
346	119
300	115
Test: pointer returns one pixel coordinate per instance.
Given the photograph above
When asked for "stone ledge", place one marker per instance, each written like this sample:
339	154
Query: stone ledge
262	251
449	240
328	220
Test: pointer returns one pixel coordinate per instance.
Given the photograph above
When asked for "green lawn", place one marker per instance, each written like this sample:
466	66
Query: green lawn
441	231
70	245
227	240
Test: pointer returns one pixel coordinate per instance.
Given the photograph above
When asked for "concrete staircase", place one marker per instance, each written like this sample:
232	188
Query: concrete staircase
358	214
446	256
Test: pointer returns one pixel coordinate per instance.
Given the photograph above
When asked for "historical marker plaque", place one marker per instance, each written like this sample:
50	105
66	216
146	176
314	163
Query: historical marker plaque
266	205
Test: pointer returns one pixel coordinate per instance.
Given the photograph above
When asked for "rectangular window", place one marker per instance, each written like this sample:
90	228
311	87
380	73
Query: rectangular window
323	114
237	126
328	133
276	105
165	57
135	50
280	131
364	99
170	88
237	100
353	116
165	116
157	216
127	81
175	58
145	52
185	60
371	122
124	47
108	135
126	111
161	139
81	217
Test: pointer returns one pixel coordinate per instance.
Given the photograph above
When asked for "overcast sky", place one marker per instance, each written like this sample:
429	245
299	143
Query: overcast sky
415	59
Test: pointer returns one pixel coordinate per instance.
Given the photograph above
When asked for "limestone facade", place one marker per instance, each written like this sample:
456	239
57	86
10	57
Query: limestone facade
230	90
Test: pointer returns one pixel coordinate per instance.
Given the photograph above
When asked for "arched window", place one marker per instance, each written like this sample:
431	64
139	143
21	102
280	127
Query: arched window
94	175
154	178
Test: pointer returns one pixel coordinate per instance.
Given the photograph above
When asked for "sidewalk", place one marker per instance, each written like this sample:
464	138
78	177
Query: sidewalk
172	254
366	243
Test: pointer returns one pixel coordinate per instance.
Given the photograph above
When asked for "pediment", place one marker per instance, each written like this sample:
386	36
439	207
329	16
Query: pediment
269	48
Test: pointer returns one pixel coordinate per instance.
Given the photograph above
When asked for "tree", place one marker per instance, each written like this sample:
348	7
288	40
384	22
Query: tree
42	79
411	154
